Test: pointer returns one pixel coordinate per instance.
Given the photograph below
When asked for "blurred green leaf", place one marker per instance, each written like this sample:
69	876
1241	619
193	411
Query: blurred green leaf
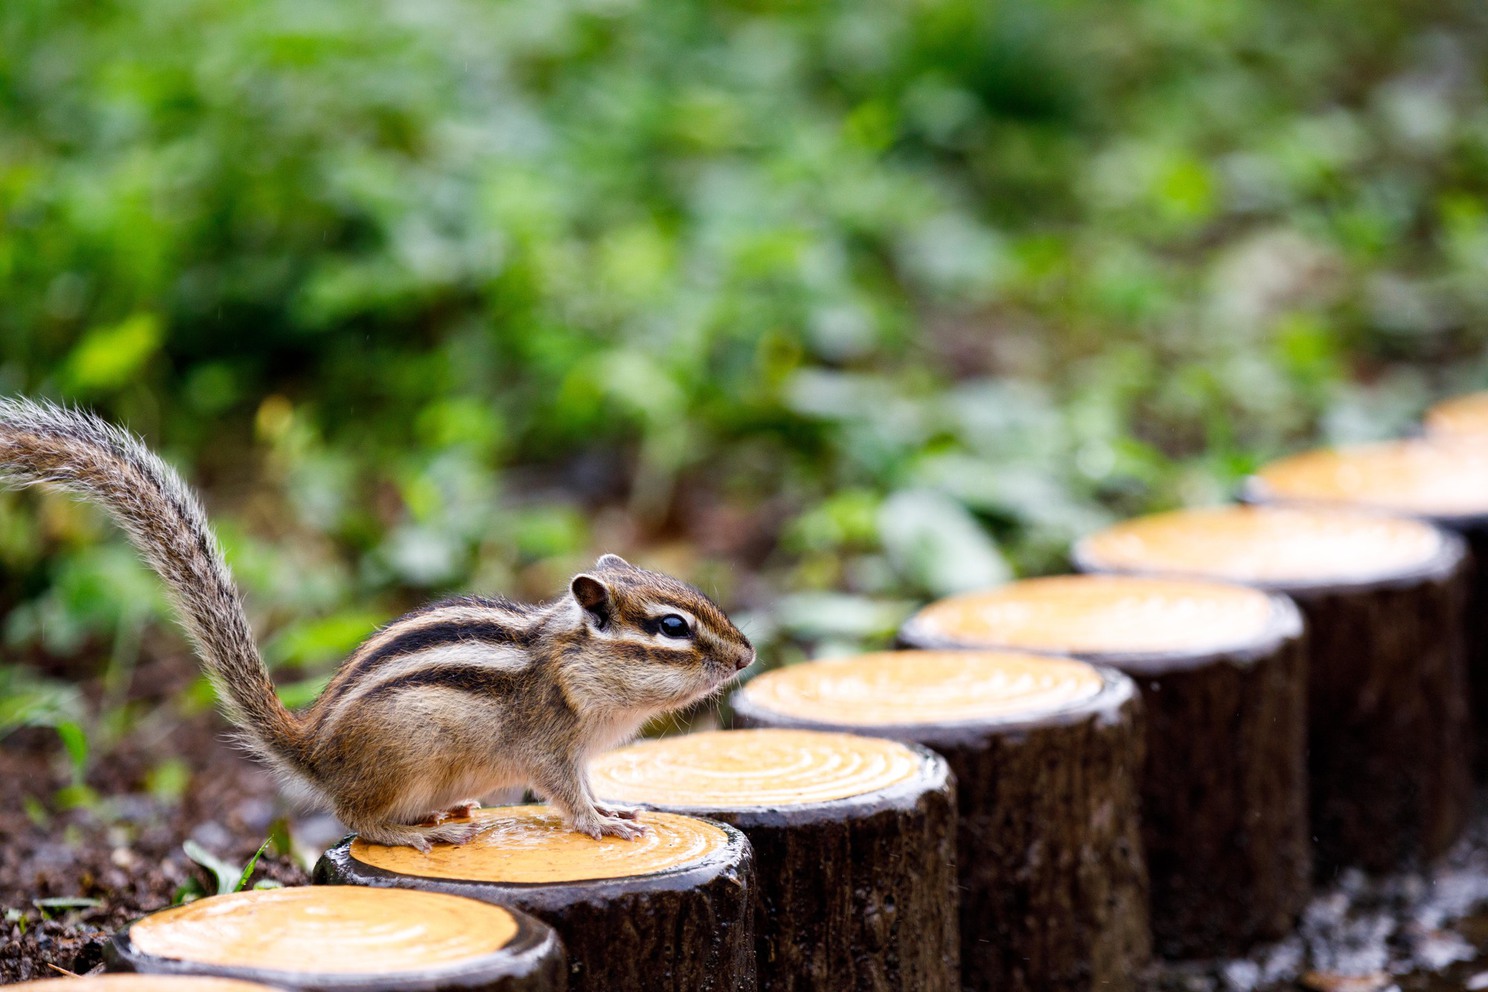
323	641
108	357
168	780
75	740
937	545
228	876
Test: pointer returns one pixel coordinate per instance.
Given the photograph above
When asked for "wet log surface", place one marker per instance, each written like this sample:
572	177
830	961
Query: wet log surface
1045	754
140	983
367	941
670	912
1223	676
1441	482
1387	711
854	841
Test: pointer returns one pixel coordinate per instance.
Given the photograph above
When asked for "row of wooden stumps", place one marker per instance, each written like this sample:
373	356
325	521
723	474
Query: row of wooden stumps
1050	780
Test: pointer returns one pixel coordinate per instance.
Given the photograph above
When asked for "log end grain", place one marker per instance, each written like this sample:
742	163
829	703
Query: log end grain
1046	754
364	939
1115	617
139	983
1382	598
1464	417
1223	674
1443	482
854	840
678	900
1282	548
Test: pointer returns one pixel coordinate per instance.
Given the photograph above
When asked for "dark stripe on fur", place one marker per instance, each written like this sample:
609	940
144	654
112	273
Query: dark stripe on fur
422	639
474	679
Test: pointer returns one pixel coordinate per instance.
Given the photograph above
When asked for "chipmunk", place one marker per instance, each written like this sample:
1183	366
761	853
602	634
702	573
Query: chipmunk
439	708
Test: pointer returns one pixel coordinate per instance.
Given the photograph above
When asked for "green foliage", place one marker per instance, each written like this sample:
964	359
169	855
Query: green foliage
228	877
876	301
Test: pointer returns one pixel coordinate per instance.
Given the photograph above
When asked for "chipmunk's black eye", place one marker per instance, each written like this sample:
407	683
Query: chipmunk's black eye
672	625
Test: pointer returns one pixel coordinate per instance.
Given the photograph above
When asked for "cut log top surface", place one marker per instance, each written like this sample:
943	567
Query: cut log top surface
327	930
141	983
1461	416
1415	477
740	769
1277	547
531	845
1095	616
927	688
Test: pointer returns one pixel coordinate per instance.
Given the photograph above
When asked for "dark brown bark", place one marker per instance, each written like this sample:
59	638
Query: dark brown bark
1475	531
1053	885
857	893
686	930
1224	793
1390	738
533	961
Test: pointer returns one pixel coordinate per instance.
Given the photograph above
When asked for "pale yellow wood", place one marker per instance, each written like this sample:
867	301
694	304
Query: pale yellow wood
1086	613
140	983
906	688
531	844
1265	544
336	929
1412	477
1461	416
734	769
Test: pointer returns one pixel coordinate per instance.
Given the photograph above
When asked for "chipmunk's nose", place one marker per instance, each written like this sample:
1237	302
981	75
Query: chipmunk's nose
744	660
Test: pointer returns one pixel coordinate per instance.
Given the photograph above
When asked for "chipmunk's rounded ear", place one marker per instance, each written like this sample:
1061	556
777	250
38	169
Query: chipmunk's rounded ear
593	595
612	561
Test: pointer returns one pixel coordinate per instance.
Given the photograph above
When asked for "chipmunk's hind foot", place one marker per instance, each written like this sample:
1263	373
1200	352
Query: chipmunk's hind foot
459	811
422	836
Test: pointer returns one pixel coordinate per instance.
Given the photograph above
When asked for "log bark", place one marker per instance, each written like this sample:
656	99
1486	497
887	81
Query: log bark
855	893
319	940
1390	753
682	921
1387	711
1053	883
1442	482
1224	793
1474	530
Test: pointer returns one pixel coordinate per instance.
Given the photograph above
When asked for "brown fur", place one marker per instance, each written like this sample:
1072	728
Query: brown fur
441	707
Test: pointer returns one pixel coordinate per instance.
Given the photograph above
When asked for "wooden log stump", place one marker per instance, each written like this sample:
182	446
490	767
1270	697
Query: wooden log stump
1443	483
669	912
139	983
1461	417
1045	754
1223	673
367	940
1387	709
854	844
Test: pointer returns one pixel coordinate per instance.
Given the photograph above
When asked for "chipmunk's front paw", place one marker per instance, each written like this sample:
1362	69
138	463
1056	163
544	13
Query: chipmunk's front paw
613	826
600	825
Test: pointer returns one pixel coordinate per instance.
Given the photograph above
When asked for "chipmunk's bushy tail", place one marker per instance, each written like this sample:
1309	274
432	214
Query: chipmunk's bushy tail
41	443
